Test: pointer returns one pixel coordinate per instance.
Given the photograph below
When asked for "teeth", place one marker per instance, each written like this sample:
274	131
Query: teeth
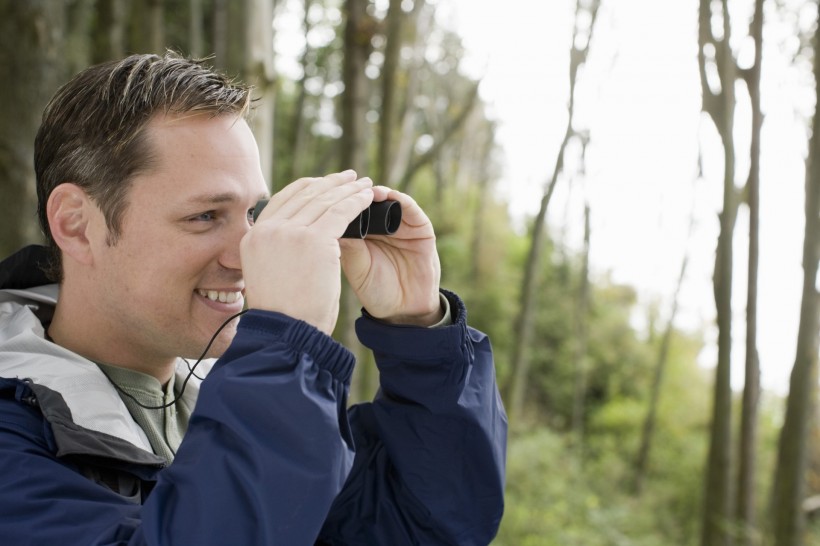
223	297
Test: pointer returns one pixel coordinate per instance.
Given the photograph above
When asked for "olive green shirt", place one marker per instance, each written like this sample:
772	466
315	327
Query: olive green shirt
164	427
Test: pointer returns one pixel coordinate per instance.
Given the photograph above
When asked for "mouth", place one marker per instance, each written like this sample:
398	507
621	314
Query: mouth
220	296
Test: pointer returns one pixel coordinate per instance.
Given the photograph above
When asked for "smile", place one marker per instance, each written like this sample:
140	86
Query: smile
222	297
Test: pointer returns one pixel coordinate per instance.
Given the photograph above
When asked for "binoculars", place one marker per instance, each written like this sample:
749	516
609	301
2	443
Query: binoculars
382	218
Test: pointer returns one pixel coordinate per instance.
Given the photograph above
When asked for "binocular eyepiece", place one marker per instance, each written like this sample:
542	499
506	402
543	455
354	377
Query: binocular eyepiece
382	218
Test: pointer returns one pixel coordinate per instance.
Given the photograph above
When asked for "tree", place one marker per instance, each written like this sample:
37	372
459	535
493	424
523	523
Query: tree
789	484
648	431
524	322
581	333
258	71
358	34
719	103
36	33
747	465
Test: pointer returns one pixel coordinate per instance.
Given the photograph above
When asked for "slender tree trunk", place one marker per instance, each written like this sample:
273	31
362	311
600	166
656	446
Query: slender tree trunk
524	323
156	26
482	178
390	70
35	32
420	21
717	506
259	72
298	125
77	51
357	46
648	433
452	127
790	475
196	39
747	464
581	318
220	34
110	36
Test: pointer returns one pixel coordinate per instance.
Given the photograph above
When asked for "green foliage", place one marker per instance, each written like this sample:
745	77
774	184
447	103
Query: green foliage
555	499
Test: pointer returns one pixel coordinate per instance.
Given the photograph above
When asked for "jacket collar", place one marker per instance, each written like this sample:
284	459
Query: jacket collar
73	393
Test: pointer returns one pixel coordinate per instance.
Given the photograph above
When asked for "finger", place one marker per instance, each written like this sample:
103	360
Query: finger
333	199
412	214
335	218
286	202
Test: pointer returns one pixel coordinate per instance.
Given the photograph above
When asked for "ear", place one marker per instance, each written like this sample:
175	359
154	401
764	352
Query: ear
71	215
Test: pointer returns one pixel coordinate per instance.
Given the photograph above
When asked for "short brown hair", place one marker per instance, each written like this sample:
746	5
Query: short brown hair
93	129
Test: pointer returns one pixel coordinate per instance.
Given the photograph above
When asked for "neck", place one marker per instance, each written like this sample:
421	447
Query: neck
80	328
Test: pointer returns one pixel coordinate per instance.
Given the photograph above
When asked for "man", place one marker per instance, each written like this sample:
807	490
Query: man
147	177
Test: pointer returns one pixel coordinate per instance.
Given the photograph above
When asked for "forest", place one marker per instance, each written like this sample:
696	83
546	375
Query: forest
620	434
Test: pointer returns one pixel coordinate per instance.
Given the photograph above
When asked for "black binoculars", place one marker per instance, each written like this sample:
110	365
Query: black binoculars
382	218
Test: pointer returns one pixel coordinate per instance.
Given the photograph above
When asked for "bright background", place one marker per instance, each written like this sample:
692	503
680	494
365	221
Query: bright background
639	96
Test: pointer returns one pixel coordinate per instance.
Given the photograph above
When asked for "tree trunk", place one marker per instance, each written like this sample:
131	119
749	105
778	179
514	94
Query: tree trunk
220	34
720	105
581	318
482	180
642	461
358	33
156	26
421	20
298	125
196	38
390	69
258	71
452	127
109	39
524	323
747	463
32	33
790	475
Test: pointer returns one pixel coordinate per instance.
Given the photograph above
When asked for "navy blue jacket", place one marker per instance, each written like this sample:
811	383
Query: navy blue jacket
272	455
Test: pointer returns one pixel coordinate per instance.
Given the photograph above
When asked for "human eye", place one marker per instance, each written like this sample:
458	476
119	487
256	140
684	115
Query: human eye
251	213
208	216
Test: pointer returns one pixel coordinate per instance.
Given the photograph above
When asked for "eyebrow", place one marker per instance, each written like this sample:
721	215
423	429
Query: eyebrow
219	198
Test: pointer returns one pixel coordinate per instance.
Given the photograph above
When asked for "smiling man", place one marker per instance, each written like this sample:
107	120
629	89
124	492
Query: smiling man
147	178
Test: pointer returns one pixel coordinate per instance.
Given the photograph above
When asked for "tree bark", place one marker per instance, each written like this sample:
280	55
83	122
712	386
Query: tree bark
220	34
648	432
390	69
720	105
196	38
156	26
790	474
298	124
358	34
747	452
421	18
109	39
35	31
258	71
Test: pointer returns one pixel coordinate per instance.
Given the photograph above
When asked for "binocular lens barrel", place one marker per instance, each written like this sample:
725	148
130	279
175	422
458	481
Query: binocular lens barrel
383	218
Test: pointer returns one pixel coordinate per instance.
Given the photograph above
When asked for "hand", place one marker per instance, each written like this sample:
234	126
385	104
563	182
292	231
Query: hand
291	256
396	278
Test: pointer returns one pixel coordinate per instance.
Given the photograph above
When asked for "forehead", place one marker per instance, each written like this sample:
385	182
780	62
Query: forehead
202	153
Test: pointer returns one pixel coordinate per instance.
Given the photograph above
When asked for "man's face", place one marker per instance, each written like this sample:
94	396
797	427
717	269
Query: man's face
173	276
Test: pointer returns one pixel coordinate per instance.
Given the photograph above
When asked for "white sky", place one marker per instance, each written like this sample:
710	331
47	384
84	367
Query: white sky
640	98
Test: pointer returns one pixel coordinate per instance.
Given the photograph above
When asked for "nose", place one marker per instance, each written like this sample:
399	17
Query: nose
229	257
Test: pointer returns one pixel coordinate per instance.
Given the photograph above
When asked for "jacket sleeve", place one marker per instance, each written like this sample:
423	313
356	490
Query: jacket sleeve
266	451
431	447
